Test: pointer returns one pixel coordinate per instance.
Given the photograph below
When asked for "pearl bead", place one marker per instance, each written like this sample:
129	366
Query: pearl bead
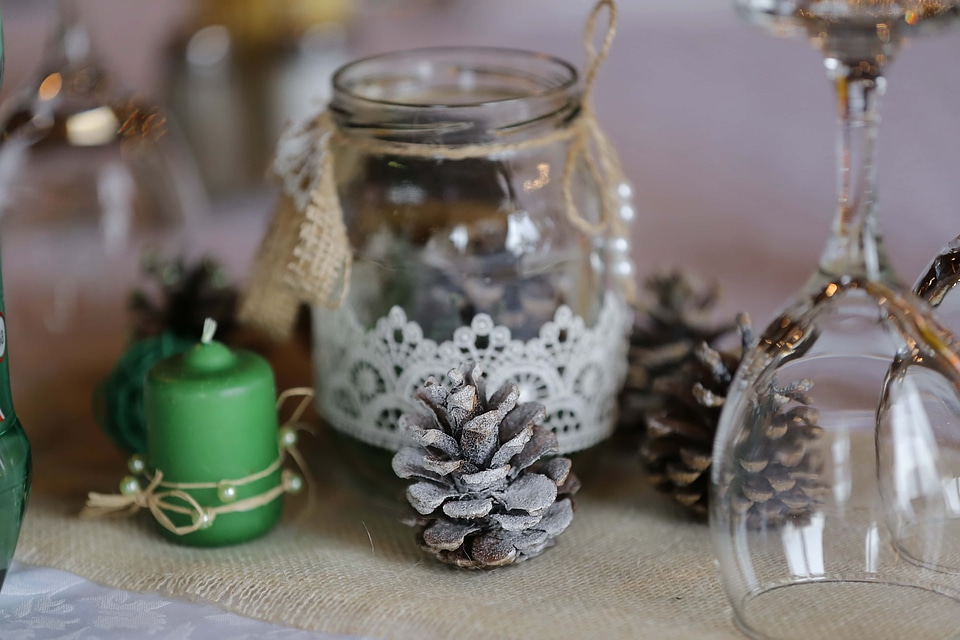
624	190
621	245
294	483
129	486
137	464
288	438
624	268
227	492
204	519
627	212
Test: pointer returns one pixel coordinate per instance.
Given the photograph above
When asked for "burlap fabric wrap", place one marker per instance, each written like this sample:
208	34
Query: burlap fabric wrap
306	254
630	566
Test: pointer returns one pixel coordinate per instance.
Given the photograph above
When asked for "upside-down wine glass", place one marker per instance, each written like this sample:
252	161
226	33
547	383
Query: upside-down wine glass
816	482
94	182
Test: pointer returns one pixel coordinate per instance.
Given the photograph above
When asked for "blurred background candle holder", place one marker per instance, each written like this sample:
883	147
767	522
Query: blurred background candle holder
472	258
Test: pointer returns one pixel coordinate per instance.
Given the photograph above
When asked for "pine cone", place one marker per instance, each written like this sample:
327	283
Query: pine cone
771	490
667	332
188	295
679	441
484	495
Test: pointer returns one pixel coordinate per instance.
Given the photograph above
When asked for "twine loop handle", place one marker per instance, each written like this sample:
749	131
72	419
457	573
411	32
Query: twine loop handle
595	58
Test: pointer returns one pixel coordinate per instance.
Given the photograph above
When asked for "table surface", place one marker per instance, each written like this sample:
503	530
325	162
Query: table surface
727	135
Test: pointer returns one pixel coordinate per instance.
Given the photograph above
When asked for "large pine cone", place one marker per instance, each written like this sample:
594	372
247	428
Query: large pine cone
484	494
678	444
675	319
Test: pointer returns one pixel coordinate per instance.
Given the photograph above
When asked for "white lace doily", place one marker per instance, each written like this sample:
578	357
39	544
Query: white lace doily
366	378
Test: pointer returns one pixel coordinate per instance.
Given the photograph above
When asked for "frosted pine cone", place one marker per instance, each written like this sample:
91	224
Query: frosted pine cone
484	495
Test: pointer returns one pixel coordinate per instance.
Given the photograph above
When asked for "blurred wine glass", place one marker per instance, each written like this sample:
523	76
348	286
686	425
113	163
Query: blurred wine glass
92	182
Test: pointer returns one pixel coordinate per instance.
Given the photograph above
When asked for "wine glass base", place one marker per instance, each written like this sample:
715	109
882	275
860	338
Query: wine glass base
849	609
932	545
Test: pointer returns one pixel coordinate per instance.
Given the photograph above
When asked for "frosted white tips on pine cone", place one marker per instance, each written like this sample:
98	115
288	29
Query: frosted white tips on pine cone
468	509
558	470
543	443
558	517
531	493
523	416
426	497
512	447
485	479
448	535
480	438
485	495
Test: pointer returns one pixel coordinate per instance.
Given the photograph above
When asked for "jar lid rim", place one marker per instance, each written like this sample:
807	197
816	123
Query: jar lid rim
569	81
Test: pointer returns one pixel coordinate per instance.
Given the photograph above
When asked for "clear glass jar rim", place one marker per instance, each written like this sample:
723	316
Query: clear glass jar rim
570	77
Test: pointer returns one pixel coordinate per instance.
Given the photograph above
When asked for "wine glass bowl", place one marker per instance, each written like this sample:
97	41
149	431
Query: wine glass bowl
796	501
927	496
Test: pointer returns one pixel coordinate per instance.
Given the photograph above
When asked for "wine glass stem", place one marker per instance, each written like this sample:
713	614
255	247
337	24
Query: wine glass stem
855	246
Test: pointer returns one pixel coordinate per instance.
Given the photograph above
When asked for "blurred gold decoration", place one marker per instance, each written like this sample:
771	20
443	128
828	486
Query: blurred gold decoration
242	69
143	123
258	24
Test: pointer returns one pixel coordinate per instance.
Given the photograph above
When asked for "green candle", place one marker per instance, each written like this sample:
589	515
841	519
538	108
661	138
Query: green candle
211	418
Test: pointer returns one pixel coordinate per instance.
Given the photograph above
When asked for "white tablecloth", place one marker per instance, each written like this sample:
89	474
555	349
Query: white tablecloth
47	604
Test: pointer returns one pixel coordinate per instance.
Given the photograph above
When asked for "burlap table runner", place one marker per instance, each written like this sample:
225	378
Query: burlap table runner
630	566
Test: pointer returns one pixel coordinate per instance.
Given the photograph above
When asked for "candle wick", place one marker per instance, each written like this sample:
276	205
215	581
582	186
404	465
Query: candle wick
209	329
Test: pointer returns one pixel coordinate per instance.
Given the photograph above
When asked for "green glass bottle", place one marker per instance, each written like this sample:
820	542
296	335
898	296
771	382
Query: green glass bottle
14	448
14	461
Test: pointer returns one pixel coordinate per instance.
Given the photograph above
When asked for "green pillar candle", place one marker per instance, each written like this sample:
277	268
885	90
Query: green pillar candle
210	417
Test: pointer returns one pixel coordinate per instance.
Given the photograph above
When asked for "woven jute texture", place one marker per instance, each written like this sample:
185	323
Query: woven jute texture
630	566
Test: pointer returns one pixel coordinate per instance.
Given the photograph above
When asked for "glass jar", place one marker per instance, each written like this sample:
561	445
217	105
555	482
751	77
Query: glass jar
477	234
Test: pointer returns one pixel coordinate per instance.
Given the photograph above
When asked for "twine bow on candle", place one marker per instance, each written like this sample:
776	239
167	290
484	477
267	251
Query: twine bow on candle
306	255
163	498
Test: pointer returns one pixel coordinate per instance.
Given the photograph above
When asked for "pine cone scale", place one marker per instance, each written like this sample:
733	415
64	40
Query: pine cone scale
468	509
427	497
448	535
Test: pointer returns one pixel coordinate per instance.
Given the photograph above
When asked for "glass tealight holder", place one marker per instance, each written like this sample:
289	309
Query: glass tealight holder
457	172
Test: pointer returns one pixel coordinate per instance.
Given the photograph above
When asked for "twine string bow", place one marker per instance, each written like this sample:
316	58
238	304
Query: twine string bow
306	254
163	498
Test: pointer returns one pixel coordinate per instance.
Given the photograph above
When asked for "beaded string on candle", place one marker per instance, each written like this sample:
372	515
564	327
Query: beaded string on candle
306	254
157	494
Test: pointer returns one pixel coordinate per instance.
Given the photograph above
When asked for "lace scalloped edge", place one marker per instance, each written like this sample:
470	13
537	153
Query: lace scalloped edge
366	378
